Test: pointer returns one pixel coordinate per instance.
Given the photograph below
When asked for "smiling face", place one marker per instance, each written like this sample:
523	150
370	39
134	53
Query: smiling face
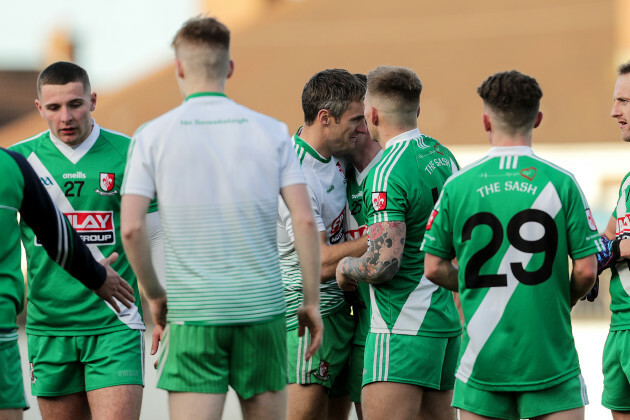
343	134
621	105
67	111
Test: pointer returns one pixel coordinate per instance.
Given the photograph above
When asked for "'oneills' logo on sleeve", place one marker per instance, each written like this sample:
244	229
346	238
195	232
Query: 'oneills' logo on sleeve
94	227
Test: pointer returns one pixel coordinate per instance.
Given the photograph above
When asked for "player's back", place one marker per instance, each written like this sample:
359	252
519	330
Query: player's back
403	186
216	167
515	219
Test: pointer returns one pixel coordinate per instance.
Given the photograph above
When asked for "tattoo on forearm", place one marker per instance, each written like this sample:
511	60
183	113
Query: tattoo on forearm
382	260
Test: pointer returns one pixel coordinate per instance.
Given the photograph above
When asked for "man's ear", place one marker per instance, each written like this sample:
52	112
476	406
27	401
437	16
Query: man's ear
38	104
538	119
231	72
374	115
179	69
487	122
324	117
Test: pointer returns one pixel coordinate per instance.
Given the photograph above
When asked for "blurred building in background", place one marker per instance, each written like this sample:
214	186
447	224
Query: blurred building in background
572	47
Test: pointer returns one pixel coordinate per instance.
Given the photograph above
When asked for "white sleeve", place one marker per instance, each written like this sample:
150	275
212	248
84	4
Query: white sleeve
139	176
290	170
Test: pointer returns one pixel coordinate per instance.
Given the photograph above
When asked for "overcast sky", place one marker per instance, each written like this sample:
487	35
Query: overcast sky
117	41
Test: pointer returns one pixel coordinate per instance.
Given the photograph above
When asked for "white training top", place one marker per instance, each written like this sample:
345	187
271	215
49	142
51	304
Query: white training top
217	168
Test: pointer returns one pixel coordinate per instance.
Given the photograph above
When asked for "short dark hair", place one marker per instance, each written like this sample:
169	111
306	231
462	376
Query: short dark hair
400	85
207	32
514	98
332	89
624	68
62	73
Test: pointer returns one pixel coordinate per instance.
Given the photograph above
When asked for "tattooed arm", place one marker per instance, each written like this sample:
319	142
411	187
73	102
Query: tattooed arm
381	261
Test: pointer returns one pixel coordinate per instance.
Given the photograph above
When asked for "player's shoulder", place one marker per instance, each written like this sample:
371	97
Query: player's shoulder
118	141
26	146
552	170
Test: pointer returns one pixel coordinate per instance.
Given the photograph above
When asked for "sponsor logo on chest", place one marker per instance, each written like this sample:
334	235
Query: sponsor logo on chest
336	228
94	227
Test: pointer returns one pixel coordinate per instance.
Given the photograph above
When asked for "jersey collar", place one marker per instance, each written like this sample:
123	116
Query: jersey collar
510	150
199	94
75	154
309	149
406	136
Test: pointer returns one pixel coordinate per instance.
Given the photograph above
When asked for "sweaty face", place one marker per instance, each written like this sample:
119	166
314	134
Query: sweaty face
67	111
343	134
621	105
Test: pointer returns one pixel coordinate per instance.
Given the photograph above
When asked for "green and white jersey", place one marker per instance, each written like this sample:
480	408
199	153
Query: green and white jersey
511	219
85	184
326	185
404	186
217	168
620	280
357	227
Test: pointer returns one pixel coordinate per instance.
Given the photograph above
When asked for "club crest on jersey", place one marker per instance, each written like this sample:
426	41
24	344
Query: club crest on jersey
107	181
591	220
379	200
528	173
322	372
431	219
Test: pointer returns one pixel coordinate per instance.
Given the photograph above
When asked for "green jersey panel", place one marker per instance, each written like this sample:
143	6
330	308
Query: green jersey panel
85	185
620	279
403	187
11	280
512	219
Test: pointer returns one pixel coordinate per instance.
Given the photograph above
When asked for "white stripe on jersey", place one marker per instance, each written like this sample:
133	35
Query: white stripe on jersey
129	316
377	323
415	308
490	310
382	172
508	162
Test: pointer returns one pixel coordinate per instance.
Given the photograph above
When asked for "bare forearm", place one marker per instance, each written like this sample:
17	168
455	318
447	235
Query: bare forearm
582	277
441	271
332	254
307	247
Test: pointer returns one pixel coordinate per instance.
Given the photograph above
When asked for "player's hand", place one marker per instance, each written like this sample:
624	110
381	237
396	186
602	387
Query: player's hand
158	314
592	295
310	319
345	283
115	289
610	252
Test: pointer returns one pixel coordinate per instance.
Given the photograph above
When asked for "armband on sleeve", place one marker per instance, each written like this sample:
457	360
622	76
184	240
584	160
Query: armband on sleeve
609	253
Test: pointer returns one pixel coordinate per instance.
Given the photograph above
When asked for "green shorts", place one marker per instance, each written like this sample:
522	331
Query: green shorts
206	359
411	359
65	365
11	384
329	367
356	372
616	367
521	405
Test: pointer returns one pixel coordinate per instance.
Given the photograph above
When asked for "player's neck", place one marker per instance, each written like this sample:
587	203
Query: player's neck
362	157
387	132
313	135
498	139
191	87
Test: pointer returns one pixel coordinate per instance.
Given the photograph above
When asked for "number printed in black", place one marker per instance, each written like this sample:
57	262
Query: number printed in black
546	244
70	188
